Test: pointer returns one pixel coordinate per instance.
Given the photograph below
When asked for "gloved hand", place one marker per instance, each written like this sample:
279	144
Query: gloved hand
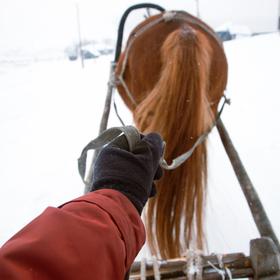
131	173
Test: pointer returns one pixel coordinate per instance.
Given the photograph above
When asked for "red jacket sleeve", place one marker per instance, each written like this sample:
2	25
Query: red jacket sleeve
96	236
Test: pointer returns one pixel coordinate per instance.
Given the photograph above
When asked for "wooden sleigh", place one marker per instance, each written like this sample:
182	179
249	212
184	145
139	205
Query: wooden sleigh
264	259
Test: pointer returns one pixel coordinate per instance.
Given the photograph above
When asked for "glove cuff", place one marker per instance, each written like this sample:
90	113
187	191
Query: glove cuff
133	193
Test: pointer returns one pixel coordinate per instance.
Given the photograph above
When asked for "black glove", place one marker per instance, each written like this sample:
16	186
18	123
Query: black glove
131	173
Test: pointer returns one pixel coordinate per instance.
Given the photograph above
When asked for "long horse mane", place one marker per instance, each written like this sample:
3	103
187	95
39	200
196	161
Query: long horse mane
176	72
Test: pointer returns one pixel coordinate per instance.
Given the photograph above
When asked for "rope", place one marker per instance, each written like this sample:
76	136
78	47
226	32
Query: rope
199	265
117	113
132	137
120	78
221	270
185	156
156	266
194	267
143	269
169	15
182	158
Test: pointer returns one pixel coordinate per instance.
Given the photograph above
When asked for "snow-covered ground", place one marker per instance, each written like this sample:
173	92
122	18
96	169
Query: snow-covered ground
252	122
50	110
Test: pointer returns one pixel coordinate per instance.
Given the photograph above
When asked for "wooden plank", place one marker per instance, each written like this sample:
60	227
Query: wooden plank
238	264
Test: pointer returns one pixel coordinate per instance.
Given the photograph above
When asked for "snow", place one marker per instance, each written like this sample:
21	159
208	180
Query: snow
49	110
252	122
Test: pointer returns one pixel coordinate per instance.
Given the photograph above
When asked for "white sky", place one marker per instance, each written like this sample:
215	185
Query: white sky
33	24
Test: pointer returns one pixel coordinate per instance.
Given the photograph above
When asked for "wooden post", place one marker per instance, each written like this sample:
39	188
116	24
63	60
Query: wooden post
237	263
103	123
108	101
263	263
258	212
265	258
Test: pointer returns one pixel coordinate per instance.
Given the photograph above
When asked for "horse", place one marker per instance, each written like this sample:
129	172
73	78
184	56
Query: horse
172	75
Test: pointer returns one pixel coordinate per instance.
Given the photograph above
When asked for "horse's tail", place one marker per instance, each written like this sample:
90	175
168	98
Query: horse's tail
178	109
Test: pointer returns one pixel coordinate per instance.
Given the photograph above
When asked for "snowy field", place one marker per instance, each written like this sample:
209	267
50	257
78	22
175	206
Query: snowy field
49	110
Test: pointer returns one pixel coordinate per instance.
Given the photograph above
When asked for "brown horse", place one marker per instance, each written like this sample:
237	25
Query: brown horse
172	75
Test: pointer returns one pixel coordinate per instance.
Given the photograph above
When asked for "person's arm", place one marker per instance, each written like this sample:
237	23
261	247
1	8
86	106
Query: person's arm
96	236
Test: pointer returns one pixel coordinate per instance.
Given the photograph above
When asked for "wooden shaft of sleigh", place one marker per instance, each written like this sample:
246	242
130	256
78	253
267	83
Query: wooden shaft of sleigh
258	212
103	125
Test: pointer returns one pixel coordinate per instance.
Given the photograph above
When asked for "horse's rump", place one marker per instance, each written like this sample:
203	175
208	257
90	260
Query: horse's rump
175	72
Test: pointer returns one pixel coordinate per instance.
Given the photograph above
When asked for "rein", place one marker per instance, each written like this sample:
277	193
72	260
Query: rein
127	137
182	158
